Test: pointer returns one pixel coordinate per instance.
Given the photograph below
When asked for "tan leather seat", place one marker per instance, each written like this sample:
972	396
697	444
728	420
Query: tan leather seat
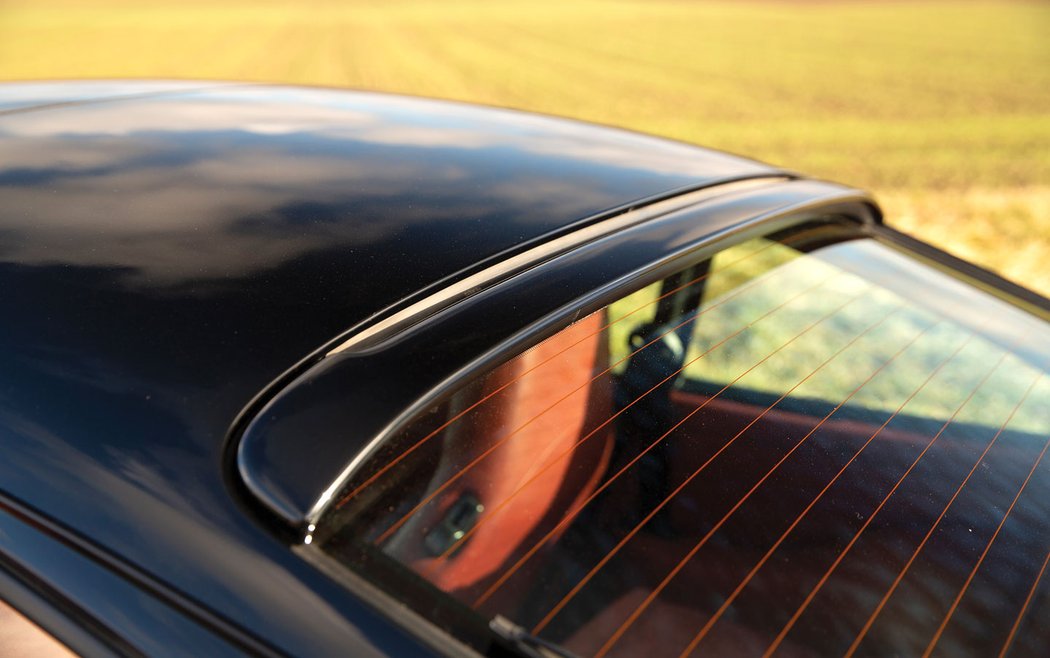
528	483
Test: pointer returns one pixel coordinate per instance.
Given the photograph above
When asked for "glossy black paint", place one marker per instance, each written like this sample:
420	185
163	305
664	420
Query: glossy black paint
101	601
167	251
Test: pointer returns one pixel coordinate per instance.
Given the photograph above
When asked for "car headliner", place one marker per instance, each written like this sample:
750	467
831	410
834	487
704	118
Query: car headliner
169	249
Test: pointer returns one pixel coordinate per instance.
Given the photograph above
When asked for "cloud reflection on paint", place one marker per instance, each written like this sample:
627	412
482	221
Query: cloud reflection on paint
221	183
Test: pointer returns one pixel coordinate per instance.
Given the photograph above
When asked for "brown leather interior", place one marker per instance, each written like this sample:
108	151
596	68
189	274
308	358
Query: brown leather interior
711	574
544	420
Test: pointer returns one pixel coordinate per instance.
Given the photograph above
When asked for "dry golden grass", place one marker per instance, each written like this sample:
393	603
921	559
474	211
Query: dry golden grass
1006	229
941	109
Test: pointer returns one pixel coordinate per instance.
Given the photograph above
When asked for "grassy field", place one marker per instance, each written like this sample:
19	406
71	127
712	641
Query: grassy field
941	109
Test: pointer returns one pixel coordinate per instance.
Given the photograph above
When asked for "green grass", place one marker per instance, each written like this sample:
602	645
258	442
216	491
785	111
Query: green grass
941	109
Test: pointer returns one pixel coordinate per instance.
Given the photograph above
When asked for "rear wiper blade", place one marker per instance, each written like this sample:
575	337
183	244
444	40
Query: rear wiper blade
526	643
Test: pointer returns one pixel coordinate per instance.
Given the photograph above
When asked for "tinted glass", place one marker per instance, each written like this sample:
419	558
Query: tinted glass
811	444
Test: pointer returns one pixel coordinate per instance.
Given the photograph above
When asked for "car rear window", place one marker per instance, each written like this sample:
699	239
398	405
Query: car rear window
809	444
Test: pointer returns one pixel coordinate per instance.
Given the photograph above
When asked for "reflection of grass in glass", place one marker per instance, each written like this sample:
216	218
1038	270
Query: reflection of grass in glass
620	332
782	371
732	268
751	279
749	260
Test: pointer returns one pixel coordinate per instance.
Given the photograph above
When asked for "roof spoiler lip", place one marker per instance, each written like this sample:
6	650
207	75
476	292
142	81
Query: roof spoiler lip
644	206
328	346
391	319
289	516
259	400
328	496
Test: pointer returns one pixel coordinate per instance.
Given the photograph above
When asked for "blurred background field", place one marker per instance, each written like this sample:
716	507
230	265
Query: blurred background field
942	109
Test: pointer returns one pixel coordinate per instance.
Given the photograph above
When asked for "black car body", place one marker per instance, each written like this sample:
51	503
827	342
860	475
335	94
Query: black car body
214	297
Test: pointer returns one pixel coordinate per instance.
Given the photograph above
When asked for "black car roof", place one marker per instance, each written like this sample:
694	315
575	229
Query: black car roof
202	233
421	188
166	251
261	207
